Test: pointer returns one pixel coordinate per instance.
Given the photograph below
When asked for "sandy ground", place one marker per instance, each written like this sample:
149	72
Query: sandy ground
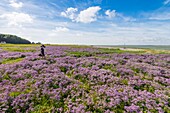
131	49
125	49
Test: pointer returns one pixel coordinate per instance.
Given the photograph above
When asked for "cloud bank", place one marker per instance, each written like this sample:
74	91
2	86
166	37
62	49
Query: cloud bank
17	19
16	4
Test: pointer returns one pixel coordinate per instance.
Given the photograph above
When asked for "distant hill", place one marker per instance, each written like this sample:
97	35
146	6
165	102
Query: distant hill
13	39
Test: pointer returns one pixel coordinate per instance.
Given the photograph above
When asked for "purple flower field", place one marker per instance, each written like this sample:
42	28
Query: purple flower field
84	80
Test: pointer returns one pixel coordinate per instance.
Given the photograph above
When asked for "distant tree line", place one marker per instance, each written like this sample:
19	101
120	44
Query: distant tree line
35	43
12	39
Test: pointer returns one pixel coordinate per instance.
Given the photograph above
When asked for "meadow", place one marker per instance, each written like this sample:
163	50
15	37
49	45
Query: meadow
83	79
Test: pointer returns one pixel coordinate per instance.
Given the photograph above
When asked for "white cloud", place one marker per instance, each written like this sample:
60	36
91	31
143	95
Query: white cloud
58	31
113	25
17	19
125	18
70	13
15	4
61	29
166	2
160	16
111	14
79	34
88	15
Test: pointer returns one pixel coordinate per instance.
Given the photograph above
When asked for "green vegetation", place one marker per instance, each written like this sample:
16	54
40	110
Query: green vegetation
69	45
124	81
63	69
6	77
19	45
113	50
101	51
80	54
44	105
147	87
17	49
13	39
14	94
11	60
137	49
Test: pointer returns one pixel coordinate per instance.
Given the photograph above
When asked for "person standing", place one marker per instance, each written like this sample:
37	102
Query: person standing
42	50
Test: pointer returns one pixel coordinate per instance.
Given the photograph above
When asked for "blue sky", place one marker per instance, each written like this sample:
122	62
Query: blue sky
91	22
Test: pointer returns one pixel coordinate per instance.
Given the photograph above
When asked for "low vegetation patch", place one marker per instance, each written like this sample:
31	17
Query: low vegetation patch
79	54
17	49
11	60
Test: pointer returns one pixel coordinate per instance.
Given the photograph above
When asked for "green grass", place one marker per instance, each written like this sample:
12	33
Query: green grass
19	45
79	54
146	87
15	94
69	45
11	60
45	105
154	51
110	51
101	51
17	49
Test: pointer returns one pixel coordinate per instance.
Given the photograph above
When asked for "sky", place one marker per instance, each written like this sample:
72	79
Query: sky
89	22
